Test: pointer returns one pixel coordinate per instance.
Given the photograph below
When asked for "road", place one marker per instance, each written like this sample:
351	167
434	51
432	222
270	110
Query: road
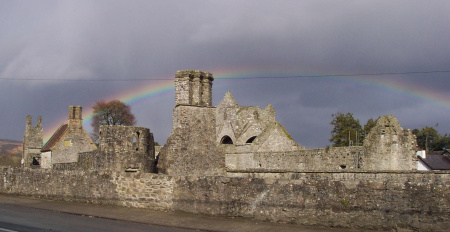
33	214
23	218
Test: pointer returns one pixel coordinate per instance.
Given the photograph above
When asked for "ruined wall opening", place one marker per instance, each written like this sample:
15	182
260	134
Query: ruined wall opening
256	115
250	140
226	140
135	141
35	162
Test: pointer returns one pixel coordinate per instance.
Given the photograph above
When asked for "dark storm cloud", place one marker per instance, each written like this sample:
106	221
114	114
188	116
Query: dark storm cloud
98	40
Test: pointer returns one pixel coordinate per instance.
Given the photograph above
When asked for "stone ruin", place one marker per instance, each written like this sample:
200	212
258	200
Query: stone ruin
234	140
224	140
32	143
238	161
121	148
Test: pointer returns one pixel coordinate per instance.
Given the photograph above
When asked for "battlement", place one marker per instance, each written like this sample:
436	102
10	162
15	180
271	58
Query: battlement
193	88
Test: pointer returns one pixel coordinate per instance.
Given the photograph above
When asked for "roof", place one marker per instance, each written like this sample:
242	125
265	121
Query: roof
437	162
435	152
55	138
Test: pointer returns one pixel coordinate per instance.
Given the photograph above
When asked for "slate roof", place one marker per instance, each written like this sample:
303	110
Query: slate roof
437	162
434	153
446	152
55	138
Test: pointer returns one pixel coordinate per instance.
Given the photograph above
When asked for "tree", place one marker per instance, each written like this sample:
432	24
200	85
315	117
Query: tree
368	126
346	131
442	143
429	139
113	112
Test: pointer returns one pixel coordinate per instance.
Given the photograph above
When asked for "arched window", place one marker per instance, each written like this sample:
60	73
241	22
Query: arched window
226	140
250	140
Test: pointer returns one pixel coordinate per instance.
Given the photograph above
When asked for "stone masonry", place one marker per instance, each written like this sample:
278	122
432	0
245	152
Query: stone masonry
121	148
389	147
69	140
417	201
238	161
193	88
202	135
32	143
233	138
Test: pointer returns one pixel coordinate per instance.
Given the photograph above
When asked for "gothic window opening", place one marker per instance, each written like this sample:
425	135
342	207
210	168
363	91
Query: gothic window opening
226	140
250	140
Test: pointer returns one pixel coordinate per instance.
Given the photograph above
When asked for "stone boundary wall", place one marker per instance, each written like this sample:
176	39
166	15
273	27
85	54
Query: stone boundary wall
366	200
141	190
89	186
145	190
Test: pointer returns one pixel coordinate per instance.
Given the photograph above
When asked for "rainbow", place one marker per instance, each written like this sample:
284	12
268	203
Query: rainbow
154	90
163	88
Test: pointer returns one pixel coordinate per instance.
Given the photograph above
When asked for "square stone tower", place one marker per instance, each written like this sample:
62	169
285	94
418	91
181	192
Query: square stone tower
191	148
32	142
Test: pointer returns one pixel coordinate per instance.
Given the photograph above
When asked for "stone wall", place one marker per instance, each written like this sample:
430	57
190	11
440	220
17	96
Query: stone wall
66	150
389	147
251	128
145	190
90	186
335	158
193	87
73	141
366	200
32	142
383	200
122	148
191	148
142	190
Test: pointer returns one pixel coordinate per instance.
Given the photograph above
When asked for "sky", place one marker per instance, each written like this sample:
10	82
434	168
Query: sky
59	53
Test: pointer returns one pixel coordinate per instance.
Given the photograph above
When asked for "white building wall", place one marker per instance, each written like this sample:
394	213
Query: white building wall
46	159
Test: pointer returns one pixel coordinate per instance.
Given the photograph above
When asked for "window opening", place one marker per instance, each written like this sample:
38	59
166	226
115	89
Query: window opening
250	140
135	143
35	161
226	140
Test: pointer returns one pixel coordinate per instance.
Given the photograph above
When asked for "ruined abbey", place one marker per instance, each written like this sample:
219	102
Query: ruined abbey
236	161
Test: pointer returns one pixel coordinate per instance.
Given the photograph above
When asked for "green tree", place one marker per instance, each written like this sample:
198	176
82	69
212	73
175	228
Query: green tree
113	112
368	126
346	130
441	143
429	139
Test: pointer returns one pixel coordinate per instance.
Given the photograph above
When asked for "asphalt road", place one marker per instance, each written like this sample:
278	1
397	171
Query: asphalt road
33	214
22	218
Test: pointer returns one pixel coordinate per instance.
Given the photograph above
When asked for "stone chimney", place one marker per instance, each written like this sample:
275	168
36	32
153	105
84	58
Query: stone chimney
75	121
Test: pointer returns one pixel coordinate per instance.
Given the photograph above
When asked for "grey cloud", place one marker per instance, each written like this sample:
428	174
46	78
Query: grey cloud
154	39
